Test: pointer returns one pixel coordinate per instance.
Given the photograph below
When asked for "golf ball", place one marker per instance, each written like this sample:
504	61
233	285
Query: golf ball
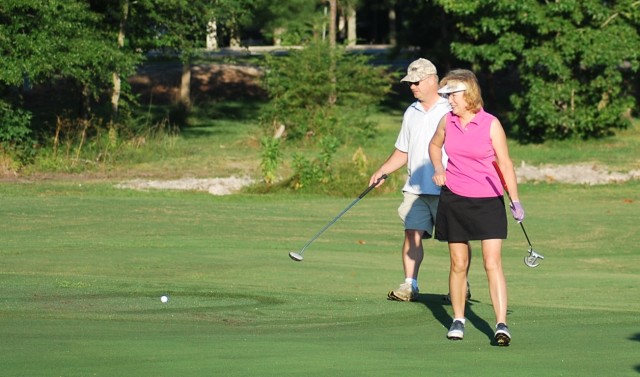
164	299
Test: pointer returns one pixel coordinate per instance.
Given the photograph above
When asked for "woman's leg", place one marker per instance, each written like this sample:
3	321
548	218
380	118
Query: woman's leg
459	254
492	257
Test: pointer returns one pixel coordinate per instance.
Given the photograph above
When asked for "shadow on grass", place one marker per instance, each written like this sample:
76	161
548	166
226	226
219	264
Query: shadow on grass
220	119
437	305
636	337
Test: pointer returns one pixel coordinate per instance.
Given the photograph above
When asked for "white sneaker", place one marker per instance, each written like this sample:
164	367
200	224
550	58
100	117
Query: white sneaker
456	331
404	293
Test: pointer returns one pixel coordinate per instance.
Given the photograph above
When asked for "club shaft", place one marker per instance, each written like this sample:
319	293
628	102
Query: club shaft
329	225
362	195
525	234
504	185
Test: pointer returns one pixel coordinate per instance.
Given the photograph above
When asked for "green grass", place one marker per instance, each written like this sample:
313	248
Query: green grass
84	266
618	152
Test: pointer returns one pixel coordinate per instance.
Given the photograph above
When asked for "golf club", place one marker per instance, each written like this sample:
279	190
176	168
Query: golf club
298	256
530	260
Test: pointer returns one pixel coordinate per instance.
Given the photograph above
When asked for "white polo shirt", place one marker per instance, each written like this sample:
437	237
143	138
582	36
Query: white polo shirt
418	126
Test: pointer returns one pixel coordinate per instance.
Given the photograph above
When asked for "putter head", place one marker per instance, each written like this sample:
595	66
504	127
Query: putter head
295	256
531	260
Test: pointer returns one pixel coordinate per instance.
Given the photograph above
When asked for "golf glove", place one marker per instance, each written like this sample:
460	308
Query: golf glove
517	211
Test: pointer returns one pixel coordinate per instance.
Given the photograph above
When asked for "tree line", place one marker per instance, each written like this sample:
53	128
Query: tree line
560	69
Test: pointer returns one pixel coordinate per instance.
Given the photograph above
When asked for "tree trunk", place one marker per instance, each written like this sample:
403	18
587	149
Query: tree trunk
185	85
277	36
115	96
333	11
117	80
234	38
352	37
393	38
212	35
85	102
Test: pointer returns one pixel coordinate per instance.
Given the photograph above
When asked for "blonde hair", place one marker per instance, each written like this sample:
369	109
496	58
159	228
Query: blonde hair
472	95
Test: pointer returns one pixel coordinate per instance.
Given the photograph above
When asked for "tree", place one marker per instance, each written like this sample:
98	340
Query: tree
181	27
232	17
117	78
288	23
46	42
575	60
300	84
115	18
172	27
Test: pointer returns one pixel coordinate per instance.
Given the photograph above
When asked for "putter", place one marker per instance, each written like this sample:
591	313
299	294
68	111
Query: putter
299	255
530	260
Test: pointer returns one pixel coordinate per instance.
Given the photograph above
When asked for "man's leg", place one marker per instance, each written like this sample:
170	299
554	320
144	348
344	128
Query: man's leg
415	216
412	255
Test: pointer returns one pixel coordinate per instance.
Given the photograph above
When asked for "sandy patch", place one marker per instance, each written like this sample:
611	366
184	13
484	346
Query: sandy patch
580	174
214	186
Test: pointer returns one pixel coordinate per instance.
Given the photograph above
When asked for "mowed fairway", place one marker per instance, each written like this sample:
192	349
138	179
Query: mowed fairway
82	269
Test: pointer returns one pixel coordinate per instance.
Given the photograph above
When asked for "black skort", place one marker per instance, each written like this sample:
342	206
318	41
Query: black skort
462	219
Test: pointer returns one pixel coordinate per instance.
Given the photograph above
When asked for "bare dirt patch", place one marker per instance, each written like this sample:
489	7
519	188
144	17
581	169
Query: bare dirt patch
159	83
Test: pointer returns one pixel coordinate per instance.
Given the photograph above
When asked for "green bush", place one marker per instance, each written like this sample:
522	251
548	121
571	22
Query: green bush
575	61
271	157
15	125
308	172
317	91
15	132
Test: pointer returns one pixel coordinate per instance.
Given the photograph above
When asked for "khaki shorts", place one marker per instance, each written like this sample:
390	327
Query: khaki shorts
418	212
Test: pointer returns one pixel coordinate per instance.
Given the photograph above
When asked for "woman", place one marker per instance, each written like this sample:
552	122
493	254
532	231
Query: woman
471	199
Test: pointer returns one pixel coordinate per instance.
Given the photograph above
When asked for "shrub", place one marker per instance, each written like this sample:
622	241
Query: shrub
319	170
15	133
317	91
271	157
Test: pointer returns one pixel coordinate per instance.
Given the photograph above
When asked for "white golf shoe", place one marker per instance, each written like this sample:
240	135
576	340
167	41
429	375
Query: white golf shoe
404	293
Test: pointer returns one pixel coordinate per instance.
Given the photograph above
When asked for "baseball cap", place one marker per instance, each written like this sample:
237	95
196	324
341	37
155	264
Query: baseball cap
452	87
419	70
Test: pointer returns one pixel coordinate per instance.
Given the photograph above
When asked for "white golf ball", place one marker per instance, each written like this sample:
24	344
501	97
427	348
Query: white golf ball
164	299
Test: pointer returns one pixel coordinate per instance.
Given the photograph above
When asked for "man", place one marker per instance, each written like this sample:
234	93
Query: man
419	207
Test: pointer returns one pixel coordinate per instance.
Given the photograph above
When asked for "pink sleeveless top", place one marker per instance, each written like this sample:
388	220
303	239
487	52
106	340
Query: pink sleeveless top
470	172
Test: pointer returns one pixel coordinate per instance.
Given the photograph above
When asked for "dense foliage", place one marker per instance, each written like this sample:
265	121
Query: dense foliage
291	22
569	67
575	61
15	133
48	40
